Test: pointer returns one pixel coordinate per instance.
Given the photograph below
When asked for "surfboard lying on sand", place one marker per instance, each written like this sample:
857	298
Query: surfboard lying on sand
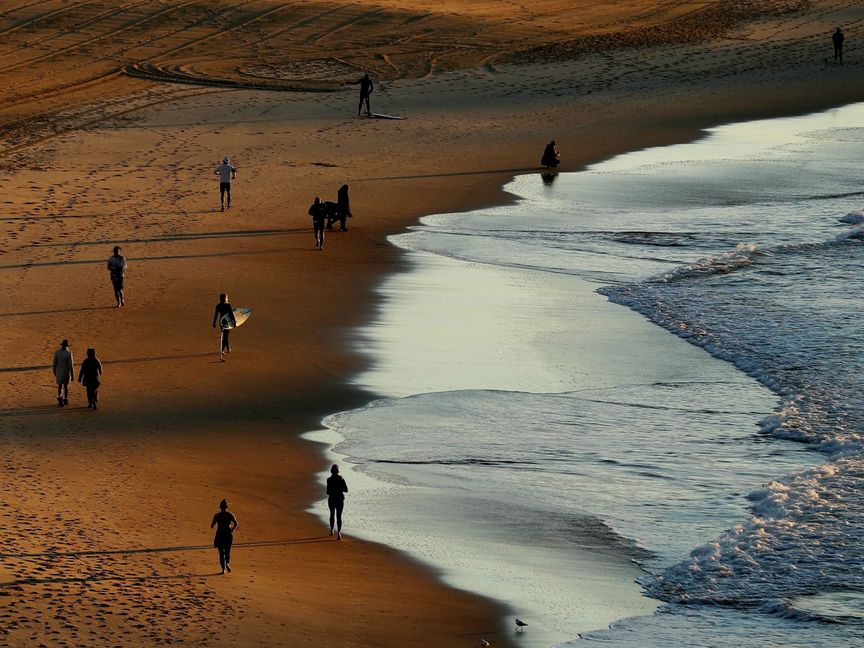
235	319
380	116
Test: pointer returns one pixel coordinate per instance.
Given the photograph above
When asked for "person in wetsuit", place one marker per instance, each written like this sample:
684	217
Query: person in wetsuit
837	38
89	375
223	308
366	88
551	157
336	489
225	524
344	205
318	212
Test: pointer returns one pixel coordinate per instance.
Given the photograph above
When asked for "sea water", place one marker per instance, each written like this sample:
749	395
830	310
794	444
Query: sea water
536	432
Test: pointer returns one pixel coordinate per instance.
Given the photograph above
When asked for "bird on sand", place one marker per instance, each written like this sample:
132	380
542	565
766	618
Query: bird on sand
520	624
484	643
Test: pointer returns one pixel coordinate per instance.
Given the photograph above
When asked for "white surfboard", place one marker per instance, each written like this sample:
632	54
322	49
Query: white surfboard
380	116
240	316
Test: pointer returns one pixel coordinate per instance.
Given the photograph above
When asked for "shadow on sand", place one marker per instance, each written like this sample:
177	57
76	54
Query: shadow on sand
178	356
191	236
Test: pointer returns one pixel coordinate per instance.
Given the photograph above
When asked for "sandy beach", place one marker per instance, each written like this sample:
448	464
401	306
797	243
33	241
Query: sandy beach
115	115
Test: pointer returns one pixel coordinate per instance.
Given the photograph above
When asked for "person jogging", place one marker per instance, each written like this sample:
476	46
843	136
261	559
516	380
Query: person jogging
117	270
336	489
227	174
225	524
318	212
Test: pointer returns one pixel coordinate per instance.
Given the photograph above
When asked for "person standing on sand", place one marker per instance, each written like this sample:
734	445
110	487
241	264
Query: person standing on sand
117	270
89	375
344	204
223	308
837	38
551	157
318	212
366	89
227	174
225	524
336	489
64	371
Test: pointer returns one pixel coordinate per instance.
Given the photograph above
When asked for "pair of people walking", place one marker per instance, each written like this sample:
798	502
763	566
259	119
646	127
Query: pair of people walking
89	375
226	522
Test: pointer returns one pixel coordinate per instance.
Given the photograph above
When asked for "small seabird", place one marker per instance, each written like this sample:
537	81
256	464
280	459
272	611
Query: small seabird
484	643
520	624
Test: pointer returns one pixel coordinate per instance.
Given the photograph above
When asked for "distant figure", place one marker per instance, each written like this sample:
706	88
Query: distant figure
548	177
89	375
344	203
117	270
226	174
223	308
64	371
551	157
336	489
225	524
366	89
318	212
837	37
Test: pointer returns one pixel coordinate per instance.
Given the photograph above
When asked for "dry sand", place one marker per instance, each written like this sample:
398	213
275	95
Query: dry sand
107	513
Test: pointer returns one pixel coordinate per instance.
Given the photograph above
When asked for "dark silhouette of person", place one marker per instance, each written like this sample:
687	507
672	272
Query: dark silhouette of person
227	174
117	269
225	524
344	203
89	375
548	177
366	89
336	489
223	308
837	38
551	157
318	212
64	371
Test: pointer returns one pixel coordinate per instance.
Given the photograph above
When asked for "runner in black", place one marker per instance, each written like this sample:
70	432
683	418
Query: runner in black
225	524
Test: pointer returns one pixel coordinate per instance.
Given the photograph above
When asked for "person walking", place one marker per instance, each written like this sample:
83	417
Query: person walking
227	174
837	38
90	376
366	89
343	203
318	212
336	489
117	269
223	308
64	371
225	524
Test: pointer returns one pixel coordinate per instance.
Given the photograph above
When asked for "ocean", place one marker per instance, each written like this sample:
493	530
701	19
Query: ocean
649	373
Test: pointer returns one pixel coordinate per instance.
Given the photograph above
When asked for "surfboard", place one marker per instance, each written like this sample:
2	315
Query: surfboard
240	316
380	116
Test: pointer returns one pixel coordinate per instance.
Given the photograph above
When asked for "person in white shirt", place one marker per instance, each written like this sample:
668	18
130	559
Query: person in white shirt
226	174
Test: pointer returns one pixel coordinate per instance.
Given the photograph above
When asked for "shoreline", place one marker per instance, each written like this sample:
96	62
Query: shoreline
186	464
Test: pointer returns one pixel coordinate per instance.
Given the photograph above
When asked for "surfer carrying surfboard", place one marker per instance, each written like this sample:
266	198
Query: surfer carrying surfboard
224	314
366	89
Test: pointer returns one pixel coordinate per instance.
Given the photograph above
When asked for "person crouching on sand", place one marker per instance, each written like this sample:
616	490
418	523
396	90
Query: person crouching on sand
318	212
225	524
89	375
551	157
64	371
336	489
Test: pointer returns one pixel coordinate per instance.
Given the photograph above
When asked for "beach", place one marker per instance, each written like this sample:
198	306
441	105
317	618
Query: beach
108	512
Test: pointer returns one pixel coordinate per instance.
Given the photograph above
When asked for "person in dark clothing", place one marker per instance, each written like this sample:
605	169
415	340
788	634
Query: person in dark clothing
225	524
366	89
117	269
89	375
551	157
318	212
336	489
223	308
344	203
837	38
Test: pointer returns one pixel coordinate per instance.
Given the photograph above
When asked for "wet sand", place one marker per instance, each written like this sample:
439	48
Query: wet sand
107	512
